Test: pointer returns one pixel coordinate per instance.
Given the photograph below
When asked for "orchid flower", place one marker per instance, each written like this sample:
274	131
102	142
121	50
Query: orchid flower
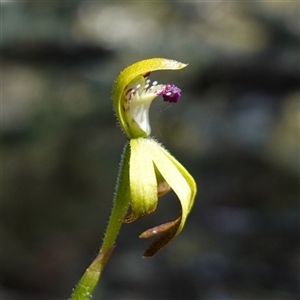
147	170
150	167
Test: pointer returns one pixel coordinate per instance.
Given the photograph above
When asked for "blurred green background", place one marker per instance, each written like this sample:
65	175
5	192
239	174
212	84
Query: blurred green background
236	129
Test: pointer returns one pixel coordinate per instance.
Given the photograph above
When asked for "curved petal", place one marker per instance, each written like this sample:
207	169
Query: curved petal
182	184
188	177
132	73
143	184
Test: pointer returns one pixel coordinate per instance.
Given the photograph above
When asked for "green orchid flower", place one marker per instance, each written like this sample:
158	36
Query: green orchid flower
147	171
152	170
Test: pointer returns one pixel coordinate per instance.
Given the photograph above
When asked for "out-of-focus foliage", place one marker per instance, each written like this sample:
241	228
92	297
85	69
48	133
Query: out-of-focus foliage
236	129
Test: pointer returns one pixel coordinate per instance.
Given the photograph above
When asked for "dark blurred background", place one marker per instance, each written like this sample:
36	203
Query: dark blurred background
236	129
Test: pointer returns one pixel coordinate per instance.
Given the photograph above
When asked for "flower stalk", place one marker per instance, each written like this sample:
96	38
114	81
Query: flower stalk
147	172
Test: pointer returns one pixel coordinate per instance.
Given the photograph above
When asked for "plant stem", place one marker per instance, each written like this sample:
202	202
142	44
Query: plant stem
121	203
91	277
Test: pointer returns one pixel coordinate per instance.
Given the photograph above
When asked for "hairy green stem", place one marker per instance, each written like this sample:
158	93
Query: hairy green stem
91	277
121	203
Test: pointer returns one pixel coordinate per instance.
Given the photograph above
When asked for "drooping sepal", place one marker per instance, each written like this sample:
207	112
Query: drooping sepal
184	186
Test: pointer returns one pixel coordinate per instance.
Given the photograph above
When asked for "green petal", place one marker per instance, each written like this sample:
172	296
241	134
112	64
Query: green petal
188	177
143	184
182	184
132	73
